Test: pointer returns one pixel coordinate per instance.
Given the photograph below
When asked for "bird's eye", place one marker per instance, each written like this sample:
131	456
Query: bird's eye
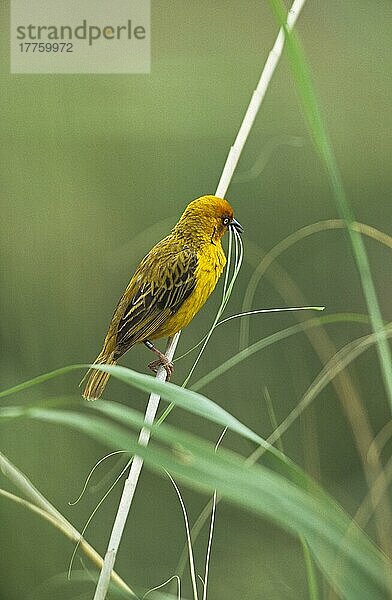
226	221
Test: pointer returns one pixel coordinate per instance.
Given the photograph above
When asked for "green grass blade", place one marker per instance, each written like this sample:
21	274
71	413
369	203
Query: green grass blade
42	379
187	399
306	90
310	569
352	563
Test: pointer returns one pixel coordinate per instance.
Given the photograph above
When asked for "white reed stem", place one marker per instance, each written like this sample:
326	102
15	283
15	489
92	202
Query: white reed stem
224	182
131	482
256	100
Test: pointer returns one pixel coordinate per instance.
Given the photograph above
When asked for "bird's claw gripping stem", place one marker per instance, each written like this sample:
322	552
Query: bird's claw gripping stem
162	360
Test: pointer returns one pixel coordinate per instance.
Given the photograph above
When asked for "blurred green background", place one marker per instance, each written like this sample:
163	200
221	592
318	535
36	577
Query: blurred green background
96	169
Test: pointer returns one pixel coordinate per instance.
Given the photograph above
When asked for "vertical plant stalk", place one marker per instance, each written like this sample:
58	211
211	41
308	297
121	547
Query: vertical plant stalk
131	482
153	402
257	99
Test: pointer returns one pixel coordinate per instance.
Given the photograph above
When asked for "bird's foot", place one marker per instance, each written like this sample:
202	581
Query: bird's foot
162	361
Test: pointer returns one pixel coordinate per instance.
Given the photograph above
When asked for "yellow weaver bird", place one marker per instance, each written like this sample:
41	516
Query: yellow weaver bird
169	287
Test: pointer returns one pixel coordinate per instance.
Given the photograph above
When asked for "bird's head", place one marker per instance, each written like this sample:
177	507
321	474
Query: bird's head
208	217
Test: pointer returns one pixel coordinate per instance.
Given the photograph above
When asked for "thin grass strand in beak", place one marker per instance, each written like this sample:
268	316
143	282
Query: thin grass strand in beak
237	265
236	226
228	262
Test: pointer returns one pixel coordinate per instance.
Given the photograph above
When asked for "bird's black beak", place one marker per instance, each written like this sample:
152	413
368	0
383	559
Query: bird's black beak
237	226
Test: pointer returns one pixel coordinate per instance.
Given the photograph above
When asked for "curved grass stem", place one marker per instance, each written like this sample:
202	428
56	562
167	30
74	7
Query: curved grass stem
40	505
313	114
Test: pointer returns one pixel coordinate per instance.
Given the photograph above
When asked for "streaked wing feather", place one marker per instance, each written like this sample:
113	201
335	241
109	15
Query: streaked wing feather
160	294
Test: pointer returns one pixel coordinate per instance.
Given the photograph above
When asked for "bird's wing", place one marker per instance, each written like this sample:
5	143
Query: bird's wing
161	288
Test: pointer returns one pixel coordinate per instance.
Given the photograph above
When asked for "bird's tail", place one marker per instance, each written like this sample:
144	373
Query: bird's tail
97	380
